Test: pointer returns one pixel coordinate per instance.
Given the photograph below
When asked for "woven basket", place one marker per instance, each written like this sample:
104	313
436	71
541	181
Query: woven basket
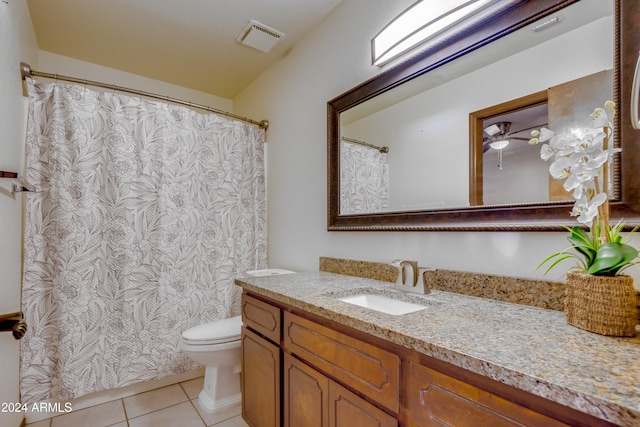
600	304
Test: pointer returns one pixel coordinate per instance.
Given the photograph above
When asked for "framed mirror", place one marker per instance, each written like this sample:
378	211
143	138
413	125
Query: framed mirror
410	125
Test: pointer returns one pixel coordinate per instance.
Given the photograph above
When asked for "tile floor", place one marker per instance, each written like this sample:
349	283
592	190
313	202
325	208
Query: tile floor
173	405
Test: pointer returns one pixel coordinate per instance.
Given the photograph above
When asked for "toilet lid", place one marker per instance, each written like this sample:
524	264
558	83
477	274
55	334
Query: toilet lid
218	331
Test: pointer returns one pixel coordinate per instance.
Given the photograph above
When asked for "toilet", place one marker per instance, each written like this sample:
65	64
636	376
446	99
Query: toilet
216	345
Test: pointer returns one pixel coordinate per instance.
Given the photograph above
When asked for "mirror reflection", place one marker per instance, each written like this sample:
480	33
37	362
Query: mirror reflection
432	159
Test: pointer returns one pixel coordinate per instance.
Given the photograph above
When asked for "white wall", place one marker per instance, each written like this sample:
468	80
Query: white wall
66	66
293	95
17	43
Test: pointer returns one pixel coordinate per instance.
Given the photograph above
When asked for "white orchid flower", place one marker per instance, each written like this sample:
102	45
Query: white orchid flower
546	152
578	158
579	175
545	134
599	118
541	135
589	210
561	168
603	117
594	162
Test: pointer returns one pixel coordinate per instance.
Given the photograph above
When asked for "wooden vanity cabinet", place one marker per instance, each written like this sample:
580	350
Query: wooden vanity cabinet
261	362
299	372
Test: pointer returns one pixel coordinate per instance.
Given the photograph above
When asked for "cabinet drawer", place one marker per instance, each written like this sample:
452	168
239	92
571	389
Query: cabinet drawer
435	399
360	366
261	317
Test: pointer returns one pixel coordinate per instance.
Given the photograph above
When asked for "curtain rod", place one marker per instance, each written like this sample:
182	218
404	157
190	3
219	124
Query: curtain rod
26	71
383	150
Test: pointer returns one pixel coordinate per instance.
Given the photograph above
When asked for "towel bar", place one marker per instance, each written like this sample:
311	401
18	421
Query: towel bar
13	322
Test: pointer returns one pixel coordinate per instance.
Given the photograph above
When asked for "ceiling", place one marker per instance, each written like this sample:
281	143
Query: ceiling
190	43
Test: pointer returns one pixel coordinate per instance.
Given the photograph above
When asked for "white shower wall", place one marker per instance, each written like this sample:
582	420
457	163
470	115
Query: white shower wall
17	43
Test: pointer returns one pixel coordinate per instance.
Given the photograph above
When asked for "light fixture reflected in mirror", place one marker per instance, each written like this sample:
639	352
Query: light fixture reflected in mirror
499	144
429	20
499	140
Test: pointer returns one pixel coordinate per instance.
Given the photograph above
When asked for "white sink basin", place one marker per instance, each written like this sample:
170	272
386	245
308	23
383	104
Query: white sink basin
382	303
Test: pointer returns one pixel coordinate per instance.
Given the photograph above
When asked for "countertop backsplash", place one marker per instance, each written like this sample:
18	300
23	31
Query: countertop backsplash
532	292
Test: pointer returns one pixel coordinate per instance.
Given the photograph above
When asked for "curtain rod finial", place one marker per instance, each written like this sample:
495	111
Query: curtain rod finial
264	124
25	70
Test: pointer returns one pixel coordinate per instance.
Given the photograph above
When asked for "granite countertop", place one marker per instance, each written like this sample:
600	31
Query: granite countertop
529	348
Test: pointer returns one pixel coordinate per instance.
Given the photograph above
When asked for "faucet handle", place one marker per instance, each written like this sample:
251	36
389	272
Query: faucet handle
401	265
414	271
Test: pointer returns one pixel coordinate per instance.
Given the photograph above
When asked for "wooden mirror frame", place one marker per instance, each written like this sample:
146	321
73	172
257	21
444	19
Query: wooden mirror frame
525	217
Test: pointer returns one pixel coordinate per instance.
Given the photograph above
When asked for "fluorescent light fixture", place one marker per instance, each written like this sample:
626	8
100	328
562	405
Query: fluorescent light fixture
426	20
499	144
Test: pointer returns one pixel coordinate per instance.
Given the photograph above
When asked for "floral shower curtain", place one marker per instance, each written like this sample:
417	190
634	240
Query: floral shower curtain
364	179
143	215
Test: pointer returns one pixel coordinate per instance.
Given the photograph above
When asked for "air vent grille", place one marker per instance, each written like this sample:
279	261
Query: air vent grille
259	36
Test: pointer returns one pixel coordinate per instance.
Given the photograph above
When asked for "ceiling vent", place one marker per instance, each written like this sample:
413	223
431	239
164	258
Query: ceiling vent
259	36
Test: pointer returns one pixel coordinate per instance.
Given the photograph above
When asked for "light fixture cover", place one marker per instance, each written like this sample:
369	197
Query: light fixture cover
259	36
499	144
430	20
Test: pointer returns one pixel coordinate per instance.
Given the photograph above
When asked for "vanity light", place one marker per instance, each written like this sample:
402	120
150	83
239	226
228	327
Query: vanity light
427	20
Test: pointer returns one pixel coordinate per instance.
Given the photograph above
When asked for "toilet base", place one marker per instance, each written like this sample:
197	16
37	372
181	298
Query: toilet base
230	405
221	389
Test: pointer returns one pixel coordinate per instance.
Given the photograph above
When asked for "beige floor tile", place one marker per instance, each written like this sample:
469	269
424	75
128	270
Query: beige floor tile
233	422
122	424
102	415
193	387
183	415
43	423
214	419
154	400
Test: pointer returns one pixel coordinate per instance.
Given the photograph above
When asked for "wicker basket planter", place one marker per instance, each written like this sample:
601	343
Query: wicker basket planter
600	304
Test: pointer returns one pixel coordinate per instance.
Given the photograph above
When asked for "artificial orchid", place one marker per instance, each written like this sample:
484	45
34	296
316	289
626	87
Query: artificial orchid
583	158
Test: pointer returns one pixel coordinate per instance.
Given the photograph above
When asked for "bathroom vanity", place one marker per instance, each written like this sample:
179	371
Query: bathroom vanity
310	359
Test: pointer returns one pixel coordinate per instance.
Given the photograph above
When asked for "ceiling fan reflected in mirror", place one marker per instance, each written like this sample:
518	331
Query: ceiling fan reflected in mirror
499	136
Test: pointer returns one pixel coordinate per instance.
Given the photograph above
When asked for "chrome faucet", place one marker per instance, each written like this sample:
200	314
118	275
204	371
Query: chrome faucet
402	266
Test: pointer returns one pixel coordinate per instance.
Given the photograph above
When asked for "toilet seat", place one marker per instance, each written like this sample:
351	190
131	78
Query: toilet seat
215	332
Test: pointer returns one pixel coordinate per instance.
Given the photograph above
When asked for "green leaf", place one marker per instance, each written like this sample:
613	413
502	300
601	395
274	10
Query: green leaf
611	257
581	242
559	260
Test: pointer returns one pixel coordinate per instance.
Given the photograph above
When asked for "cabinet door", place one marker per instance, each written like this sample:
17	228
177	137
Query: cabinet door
435	399
349	410
260	381
313	400
306	395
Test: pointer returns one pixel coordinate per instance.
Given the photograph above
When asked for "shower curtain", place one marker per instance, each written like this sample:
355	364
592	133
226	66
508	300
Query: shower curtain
364	179
143	214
